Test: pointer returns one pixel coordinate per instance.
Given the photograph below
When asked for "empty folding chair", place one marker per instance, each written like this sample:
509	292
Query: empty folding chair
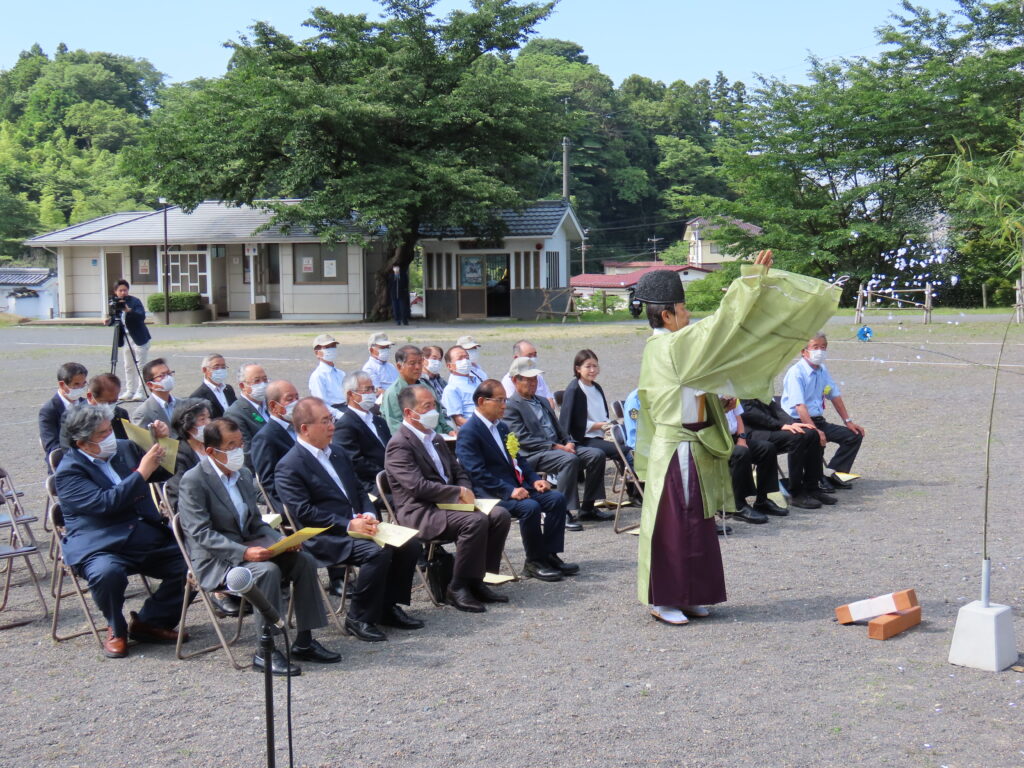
62	573
14	517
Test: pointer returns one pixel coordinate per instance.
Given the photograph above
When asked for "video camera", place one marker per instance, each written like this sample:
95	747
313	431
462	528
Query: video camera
116	305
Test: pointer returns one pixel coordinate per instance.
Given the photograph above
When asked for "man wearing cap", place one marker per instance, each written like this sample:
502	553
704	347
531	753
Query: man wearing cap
550	449
683	440
381	371
523	348
472	347
457	400
327	380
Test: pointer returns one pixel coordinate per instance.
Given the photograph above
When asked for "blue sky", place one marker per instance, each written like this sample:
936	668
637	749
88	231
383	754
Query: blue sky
662	39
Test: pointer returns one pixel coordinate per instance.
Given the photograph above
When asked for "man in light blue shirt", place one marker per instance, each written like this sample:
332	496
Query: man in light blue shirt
378	364
805	389
457	399
327	380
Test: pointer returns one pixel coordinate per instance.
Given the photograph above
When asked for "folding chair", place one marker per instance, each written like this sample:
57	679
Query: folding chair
53	460
618	410
332	612
163	504
629	478
15	548
266	496
559	395
62	571
17	519
192	584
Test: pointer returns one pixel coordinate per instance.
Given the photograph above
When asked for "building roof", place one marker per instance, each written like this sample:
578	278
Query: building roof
25	276
647	264
211	222
540	219
702	223
625	280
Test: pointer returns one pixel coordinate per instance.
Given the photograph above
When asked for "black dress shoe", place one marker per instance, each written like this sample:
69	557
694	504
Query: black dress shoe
825	486
337	588
825	498
315	652
364	630
722	530
566	569
463	600
806	501
572	523
835	482
278	664
750	515
485	594
542	571
596	514
396	617
225	605
769	507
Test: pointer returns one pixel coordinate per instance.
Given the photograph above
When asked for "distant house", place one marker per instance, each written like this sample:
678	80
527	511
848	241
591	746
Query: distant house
466	279
690	272
28	292
705	251
619	283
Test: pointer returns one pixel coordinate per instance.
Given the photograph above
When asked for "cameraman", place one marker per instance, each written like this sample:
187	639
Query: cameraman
129	309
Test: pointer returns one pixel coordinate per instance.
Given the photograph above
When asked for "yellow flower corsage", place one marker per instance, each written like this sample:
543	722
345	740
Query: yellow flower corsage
512	445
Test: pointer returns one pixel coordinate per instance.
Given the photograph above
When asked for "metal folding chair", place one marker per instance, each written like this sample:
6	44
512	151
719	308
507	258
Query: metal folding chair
629	478
14	517
61	572
618	410
332	612
192	584
53	461
18	548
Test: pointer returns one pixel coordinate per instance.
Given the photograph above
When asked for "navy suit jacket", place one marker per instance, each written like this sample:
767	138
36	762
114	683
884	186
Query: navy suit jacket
216	409
268	447
490	468
315	500
51	415
364	450
98	515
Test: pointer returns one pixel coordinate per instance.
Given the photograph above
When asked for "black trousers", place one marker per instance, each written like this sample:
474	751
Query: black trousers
846	439
479	541
756	453
803	451
540	539
385	577
567	468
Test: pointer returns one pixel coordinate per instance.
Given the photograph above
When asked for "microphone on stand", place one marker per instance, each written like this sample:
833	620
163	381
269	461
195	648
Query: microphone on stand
240	581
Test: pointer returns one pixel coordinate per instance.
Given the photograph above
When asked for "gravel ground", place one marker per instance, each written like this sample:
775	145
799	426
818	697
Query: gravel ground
577	673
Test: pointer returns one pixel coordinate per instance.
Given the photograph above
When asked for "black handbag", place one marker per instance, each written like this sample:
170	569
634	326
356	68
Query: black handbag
440	567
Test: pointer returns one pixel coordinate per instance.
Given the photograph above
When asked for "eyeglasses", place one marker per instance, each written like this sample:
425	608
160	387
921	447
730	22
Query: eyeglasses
162	376
501	400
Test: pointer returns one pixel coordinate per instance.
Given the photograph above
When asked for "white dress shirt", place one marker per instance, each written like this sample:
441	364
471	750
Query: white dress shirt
286	426
427	438
218	392
323	456
231	486
367	418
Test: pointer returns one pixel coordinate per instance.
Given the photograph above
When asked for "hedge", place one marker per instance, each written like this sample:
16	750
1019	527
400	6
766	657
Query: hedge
180	302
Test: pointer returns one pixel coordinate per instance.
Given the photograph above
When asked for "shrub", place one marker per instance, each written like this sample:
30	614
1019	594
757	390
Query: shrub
179	302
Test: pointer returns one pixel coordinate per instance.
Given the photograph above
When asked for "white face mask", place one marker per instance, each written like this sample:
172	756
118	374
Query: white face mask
384	354
288	410
234	459
219	375
474	355
75	394
198	432
329	354
367	400
258	391
433	366
817	356
108	446
464	366
429	419
166	384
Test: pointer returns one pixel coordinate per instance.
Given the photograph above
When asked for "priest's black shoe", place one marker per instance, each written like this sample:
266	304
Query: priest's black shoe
566	569
572	523
769	507
278	664
364	630
315	652
750	515
485	594
835	482
463	600
542	571
807	501
396	617
825	486
722	530
337	588
825	498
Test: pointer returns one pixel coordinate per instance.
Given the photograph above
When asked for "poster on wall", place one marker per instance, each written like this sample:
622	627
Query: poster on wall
330	267
472	272
143	266
307	264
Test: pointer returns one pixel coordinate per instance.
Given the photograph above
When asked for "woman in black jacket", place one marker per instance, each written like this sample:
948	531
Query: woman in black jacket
584	413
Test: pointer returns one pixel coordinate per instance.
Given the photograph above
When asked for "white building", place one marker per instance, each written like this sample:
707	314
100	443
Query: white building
28	292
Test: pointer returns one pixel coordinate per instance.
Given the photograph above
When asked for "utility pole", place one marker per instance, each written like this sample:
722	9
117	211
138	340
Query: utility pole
583	254
167	269
565	167
654	241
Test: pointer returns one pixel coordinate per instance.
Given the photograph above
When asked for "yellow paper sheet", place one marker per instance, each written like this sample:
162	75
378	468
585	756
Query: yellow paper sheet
846	476
388	533
294	540
481	505
143	438
497	578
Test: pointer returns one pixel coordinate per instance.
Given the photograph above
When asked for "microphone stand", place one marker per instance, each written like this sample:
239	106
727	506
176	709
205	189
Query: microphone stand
266	650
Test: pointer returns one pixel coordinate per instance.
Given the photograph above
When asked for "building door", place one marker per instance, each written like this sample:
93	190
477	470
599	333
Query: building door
472	286
114	264
219	278
499	284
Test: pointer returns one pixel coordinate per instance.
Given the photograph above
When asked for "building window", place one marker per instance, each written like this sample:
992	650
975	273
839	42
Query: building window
526	268
144	268
318	263
554	262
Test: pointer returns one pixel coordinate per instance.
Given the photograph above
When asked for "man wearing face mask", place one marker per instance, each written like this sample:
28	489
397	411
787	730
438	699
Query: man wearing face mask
105	389
523	348
114	529
361	434
472	347
410	371
159	406
457	400
223	527
377	365
214	388
433	365
805	389
249	411
327	380
398	292
71	389
270	444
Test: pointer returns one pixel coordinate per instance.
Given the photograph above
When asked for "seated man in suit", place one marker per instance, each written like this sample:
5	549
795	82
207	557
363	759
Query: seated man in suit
271	443
223	527
805	388
483	450
548	447
249	411
409	361
361	434
71	389
433	364
749	453
113	529
214	387
105	389
321	490
159	406
423	474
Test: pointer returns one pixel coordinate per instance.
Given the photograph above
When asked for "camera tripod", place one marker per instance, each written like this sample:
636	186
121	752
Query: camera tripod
121	335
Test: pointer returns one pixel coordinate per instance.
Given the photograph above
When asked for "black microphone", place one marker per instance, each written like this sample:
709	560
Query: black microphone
240	581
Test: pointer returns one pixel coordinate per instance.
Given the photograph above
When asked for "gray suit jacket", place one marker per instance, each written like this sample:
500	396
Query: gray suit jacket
216	539
153	410
248	420
521	420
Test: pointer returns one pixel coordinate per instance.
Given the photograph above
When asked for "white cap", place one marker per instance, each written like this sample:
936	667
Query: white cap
379	340
467	342
523	366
